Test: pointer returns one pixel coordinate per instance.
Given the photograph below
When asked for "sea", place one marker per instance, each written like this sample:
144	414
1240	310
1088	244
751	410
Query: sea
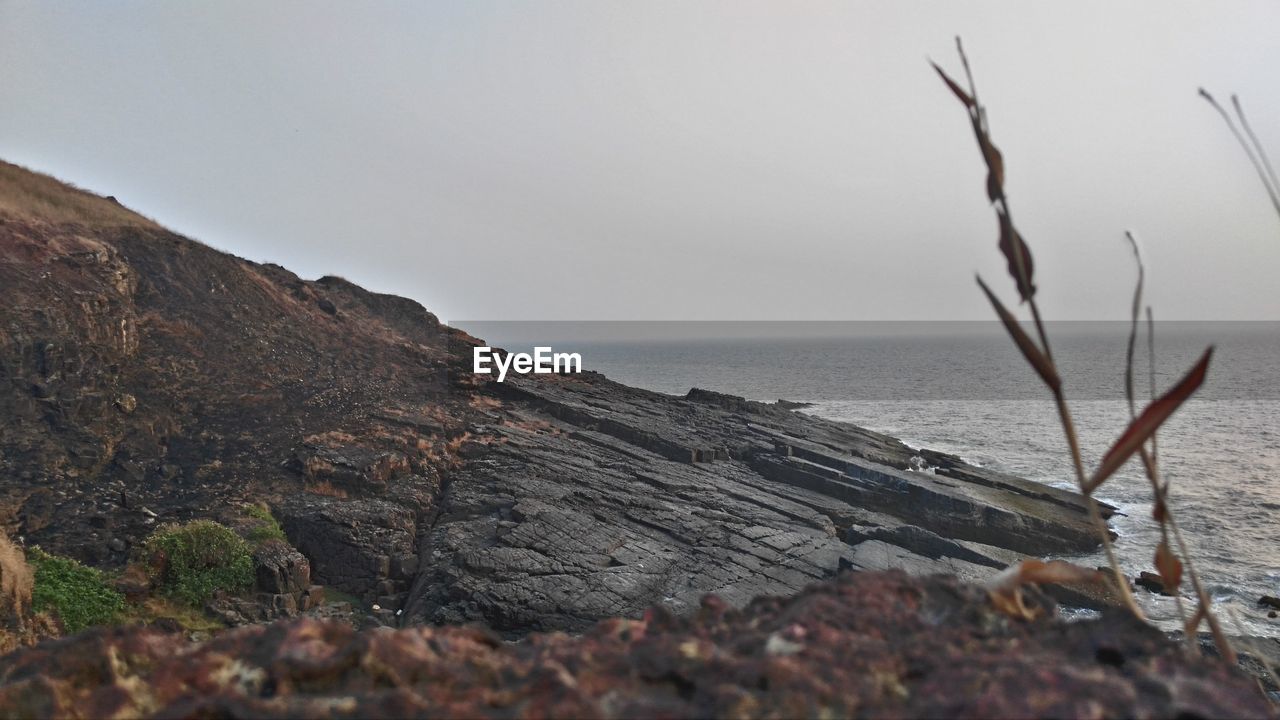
964	388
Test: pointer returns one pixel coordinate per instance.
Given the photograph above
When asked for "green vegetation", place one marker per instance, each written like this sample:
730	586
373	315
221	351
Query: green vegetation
78	595
267	528
191	562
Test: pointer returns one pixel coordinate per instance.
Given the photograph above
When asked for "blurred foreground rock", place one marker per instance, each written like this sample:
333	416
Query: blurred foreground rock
866	644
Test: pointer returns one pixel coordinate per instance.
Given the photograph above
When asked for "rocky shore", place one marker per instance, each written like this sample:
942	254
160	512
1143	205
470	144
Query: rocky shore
149	379
582	499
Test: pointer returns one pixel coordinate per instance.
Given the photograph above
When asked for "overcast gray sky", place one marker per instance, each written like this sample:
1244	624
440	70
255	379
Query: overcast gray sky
667	160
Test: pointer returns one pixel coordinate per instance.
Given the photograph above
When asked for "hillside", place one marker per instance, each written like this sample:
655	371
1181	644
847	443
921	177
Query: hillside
149	376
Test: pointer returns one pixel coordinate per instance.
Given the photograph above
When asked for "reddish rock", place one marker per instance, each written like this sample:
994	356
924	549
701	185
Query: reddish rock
313	597
133	583
867	644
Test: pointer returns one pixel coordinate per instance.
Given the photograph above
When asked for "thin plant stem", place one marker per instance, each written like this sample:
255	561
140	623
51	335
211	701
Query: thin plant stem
1257	146
1272	192
981	129
1151	374
1095	515
1219	638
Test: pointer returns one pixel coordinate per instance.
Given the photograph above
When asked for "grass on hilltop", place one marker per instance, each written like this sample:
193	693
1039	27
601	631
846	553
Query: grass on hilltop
29	195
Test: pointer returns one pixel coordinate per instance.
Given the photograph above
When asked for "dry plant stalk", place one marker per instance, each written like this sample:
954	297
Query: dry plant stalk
1139	437
1018	257
1166	562
1252	147
16	582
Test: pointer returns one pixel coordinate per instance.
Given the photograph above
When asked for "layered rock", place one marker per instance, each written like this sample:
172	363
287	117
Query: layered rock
583	499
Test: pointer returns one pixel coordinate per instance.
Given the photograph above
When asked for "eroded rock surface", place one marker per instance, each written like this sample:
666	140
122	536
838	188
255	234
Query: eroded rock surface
583	499
866	644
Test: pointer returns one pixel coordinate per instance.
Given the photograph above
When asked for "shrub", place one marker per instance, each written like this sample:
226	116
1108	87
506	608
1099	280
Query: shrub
191	562
78	595
267	527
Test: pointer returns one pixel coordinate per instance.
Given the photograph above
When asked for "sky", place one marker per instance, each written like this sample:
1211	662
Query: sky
672	160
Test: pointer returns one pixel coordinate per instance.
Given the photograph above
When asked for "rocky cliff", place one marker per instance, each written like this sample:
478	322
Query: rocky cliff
145	378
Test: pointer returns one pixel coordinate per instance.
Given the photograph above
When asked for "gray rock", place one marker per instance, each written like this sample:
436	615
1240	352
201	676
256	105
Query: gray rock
348	541
588	499
280	568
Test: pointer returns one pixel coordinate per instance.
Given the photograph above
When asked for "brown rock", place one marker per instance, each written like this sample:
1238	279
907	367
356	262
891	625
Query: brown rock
133	583
868	644
1152	582
313	597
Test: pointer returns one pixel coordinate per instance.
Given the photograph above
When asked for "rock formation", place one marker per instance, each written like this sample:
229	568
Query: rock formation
147	378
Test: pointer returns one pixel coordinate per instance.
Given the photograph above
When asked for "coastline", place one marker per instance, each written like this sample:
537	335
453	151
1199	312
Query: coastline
156	381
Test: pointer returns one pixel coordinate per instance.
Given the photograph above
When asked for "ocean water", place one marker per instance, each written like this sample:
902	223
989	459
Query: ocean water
963	388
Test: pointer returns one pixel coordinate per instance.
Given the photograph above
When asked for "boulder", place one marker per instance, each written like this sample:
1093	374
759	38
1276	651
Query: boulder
1151	582
350	541
313	597
279	568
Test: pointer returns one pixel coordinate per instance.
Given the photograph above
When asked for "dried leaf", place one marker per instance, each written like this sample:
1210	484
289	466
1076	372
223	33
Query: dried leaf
1148	422
1026	288
1160	513
1169	567
1029	349
995	165
1057	571
1012	603
1005	587
959	91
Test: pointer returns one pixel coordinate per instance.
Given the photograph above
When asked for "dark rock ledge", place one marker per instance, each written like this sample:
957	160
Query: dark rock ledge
866	644
583	499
